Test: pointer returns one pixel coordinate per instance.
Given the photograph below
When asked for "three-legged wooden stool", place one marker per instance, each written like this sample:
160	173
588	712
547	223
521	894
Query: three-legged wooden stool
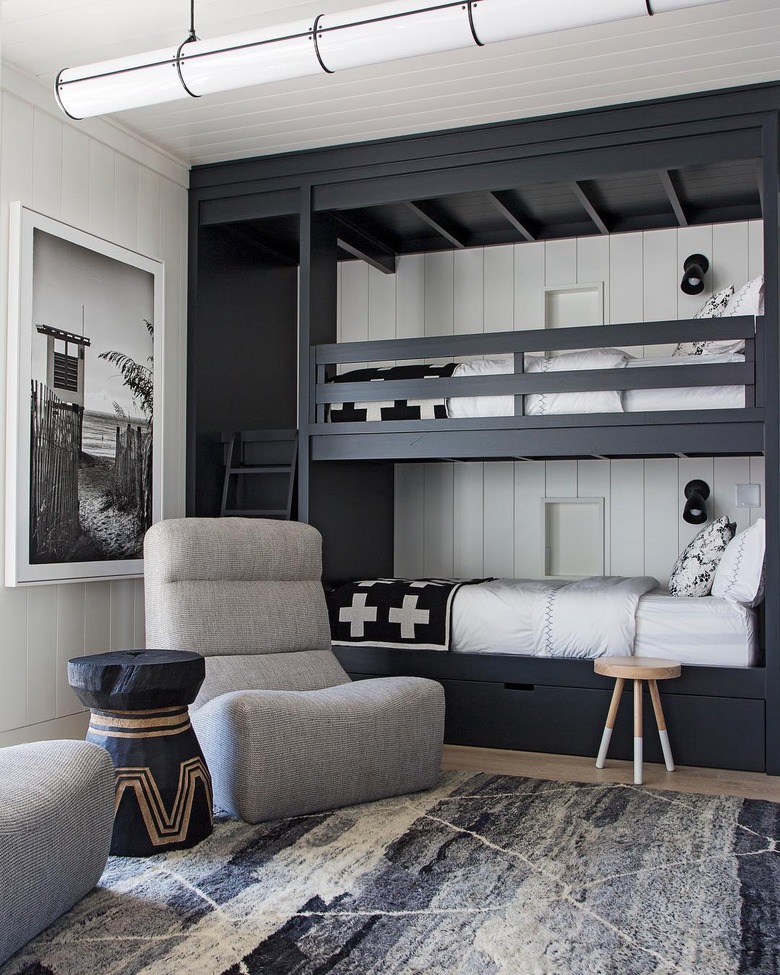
637	669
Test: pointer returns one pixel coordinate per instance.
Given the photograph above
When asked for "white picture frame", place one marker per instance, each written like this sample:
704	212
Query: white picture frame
85	355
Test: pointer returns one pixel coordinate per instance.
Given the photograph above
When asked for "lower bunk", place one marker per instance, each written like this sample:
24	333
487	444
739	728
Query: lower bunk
515	658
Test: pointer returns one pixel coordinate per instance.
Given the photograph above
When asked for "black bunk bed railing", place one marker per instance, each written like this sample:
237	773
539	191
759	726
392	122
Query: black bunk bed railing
325	358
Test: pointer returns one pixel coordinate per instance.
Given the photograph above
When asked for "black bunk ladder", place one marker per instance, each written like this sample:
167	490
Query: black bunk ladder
259	473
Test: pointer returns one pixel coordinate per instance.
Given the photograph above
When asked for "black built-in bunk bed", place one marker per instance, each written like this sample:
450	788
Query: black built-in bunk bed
266	236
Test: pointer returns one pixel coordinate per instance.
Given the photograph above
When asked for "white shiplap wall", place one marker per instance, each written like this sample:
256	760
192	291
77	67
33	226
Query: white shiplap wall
475	519
102	180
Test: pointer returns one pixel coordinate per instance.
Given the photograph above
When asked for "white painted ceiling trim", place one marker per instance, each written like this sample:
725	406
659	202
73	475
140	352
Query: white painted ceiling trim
721	45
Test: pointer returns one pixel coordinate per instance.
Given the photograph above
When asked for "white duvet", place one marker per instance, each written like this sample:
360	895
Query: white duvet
631	401
588	618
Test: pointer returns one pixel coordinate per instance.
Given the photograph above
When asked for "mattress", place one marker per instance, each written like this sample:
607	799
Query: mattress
704	631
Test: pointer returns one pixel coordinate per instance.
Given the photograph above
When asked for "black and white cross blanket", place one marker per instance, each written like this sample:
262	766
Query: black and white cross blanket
401	409
395	613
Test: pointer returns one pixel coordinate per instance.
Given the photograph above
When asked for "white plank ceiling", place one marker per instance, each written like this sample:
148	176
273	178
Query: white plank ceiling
735	42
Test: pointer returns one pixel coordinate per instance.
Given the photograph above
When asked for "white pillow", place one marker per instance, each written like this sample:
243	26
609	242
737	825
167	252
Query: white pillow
590	401
740	573
713	307
694	571
541	404
749	300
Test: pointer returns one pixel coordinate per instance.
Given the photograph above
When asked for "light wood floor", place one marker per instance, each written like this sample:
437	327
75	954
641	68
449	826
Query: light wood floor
572	768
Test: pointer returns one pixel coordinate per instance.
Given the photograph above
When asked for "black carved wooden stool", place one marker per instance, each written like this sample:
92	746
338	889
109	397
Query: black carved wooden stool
138	700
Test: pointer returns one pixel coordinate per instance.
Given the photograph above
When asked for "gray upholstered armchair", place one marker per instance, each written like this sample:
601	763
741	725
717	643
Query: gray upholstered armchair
284	729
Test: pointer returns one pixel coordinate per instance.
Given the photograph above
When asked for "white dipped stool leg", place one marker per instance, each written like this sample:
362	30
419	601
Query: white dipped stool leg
661	722
611	715
638	732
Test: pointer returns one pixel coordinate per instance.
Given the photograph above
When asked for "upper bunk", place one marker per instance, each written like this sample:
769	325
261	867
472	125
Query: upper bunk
530	395
293	226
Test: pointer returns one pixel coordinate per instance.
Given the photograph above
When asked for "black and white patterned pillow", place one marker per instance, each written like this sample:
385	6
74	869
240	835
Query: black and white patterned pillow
694	571
713	307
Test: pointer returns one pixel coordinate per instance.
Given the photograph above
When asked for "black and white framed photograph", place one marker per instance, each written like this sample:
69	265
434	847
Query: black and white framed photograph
83	471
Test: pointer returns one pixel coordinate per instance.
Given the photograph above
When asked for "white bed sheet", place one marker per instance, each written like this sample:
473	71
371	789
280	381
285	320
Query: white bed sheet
704	631
633	400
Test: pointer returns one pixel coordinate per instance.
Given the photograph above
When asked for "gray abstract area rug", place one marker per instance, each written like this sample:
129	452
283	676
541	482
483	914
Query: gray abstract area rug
482	875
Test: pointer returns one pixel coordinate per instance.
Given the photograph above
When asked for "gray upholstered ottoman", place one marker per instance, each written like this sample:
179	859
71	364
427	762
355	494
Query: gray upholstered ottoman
56	814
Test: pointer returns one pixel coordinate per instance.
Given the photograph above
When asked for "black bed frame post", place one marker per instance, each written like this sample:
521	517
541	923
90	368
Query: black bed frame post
772	434
519	361
316	323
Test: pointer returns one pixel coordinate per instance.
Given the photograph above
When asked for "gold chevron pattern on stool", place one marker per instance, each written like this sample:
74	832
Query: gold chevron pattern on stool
164	827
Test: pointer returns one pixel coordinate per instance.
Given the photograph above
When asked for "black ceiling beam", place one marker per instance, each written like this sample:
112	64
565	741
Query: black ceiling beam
587	204
433	215
507	207
274	252
669	183
353	239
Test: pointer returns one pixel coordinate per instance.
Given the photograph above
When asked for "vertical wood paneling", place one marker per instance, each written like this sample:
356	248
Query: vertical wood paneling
593	481
139	617
101	190
560	262
528	277
757	465
439	293
149	212
126	206
660	279
469	529
41	654
499	519
97	617
409	509
727	473
70	643
122	614
75	177
593	265
47	164
381	305
499	300
730	258
627	517
354	304
561	479
410	296
16	152
755	248
13	686
469	289
529	490
626	278
662	514
438	521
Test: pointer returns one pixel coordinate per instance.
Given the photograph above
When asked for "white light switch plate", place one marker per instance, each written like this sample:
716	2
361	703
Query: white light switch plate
748	496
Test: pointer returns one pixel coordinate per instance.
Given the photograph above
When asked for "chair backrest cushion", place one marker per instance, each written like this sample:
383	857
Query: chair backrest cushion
223	586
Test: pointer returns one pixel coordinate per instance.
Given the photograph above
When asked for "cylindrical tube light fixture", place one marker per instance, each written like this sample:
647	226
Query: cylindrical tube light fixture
331	42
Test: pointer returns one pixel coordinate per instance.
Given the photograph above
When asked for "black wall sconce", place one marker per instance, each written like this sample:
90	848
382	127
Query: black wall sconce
696	494
694	269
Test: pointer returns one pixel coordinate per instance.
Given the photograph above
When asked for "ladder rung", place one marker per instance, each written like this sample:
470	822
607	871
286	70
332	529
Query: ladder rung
257	512
256	469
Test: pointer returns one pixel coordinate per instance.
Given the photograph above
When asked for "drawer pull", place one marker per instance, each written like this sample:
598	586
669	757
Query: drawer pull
519	687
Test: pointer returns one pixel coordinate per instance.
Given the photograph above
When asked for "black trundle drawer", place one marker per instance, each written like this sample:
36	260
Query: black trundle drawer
710	731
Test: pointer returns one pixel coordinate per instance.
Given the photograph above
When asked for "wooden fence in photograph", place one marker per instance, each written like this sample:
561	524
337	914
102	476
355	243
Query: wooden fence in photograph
133	471
55	441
